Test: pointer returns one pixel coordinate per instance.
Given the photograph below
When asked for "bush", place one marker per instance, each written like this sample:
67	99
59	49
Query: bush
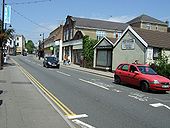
162	66
88	51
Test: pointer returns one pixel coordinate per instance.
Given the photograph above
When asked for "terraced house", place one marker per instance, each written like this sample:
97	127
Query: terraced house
75	28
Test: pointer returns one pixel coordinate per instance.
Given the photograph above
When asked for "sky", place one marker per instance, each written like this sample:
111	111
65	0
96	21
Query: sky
34	17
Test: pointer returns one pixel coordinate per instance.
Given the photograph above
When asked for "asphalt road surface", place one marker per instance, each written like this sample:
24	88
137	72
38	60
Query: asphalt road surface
97	102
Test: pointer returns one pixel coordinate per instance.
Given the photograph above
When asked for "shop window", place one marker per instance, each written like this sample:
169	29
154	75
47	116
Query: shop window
104	58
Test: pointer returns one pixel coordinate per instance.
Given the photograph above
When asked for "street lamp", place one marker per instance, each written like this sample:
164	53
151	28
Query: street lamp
2	31
42	45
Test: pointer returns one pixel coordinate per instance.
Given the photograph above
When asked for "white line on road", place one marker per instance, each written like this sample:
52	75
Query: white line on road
82	124
93	84
116	90
159	105
63	73
77	116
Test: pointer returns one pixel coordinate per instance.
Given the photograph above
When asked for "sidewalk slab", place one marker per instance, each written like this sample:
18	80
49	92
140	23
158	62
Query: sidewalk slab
22	105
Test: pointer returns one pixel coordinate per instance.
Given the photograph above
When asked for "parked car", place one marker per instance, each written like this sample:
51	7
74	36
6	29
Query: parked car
24	53
141	75
51	61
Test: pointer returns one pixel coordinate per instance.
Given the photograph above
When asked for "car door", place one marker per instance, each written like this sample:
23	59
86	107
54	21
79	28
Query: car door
132	76
123	73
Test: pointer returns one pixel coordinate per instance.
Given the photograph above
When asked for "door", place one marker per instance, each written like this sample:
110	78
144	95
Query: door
123	73
132	77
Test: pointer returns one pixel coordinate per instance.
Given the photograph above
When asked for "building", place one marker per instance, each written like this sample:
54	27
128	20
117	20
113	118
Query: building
53	44
103	53
19	43
140	44
75	28
143	41
149	23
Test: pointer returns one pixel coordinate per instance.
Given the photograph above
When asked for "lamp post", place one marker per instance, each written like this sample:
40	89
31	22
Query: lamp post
42	44
1	40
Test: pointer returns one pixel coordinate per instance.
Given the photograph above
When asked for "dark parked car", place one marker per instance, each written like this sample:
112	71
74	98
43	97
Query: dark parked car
51	61
141	75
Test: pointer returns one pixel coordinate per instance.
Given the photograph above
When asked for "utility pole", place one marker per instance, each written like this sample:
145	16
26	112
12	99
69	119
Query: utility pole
1	40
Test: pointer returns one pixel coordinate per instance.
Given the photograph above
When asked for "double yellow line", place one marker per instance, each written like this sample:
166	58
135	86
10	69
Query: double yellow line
63	107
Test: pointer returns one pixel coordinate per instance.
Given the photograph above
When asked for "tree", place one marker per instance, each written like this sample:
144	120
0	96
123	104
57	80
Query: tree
88	51
30	46
6	33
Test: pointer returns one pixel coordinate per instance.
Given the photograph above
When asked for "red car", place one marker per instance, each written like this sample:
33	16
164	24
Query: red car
141	75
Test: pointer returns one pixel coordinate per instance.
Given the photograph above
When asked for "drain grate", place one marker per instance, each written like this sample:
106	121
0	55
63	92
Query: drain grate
18	82
3	81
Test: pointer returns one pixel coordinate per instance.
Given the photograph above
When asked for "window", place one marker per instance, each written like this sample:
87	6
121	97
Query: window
10	42
148	26
65	34
104	58
125	67
100	34
117	34
156	52
17	43
156	27
71	33
133	68
17	38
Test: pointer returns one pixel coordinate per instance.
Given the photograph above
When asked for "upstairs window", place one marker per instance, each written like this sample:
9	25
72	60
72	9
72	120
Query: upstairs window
117	34
148	26
100	34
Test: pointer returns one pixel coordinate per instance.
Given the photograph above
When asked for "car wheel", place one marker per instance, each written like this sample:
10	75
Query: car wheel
144	86
117	79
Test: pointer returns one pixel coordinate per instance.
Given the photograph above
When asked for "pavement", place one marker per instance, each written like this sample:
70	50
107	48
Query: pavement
22	105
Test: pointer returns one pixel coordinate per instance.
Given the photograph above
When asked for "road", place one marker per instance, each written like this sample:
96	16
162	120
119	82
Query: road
94	101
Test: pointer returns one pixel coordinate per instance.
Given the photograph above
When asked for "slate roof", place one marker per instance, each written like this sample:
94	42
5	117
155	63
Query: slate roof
154	38
99	24
146	18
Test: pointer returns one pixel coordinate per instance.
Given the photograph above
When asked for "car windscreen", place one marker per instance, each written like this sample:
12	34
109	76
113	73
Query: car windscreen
146	70
51	59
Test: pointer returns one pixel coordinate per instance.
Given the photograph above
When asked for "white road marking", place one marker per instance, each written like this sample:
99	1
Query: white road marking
93	84
159	105
82	124
77	116
116	90
139	96
63	73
